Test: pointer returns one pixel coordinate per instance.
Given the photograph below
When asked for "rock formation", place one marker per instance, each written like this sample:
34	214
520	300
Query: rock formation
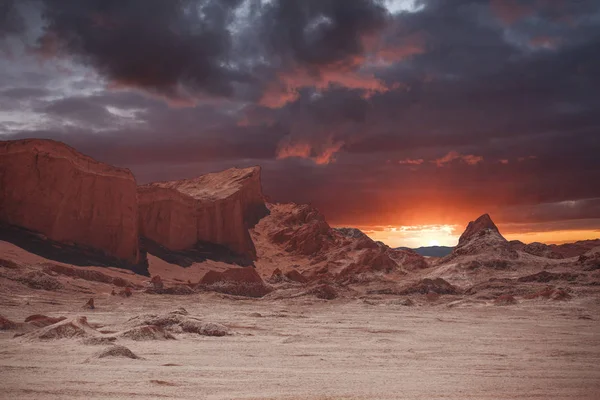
90	304
482	237
240	281
49	188
300	236
541	250
301	229
537	249
216	208
575	249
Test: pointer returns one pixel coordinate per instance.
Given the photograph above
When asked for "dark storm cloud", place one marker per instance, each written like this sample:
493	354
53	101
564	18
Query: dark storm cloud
316	33
79	110
11	20
172	48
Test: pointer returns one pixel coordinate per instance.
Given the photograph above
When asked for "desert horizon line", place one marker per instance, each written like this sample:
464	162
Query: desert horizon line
395	235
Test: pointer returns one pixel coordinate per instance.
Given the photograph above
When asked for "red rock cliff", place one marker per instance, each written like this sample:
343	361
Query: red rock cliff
217	208
48	187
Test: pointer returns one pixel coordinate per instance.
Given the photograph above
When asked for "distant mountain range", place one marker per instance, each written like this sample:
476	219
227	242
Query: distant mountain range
430	251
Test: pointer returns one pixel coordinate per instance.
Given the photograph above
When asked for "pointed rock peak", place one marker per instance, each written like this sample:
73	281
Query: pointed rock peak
481	224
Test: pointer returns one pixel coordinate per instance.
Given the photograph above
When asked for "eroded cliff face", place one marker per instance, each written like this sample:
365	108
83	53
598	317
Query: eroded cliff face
49	188
167	217
217	208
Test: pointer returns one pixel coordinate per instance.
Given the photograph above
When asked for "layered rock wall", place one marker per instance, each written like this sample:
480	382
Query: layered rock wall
49	188
167	217
217	208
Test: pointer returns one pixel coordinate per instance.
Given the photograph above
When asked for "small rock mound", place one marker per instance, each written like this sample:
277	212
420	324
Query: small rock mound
86	274
550	293
295	276
41	281
324	291
289	276
276	276
116	351
6	324
77	327
242	281
425	286
9	264
204	328
41	321
590	261
505	300
163	321
408	259
545	277
541	250
147	332
178	321
560	295
90	304
157	282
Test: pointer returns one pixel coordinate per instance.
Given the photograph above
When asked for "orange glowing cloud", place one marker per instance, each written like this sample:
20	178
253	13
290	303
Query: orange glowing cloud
469	159
409	161
321	155
350	73
409	46
286	89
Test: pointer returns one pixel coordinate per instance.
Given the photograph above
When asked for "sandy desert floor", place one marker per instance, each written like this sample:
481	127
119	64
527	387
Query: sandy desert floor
312	349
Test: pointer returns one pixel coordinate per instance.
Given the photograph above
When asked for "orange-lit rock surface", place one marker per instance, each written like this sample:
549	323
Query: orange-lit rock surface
50	188
217	208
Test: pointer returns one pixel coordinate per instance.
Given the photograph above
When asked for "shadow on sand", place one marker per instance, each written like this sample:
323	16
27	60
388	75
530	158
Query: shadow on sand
203	251
38	244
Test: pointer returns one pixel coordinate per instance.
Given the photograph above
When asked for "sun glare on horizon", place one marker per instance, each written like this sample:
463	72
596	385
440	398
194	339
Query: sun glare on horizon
416	235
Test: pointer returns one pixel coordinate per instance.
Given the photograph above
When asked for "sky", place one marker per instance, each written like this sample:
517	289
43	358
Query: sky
406	119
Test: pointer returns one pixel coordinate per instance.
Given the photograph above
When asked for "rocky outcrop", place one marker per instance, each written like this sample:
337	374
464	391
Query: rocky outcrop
482	237
575	249
216	208
480	227
408	259
537	249
321	252
590	261
241	281
301	229
49	188
425	286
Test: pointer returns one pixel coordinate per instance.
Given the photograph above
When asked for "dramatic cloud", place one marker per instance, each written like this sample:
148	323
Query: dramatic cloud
172	48
382	113
323	154
468	159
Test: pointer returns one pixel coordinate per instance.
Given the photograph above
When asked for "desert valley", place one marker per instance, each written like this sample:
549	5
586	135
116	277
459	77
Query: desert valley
300	199
199	288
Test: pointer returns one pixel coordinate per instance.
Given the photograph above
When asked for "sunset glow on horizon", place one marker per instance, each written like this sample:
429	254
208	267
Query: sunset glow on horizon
447	235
